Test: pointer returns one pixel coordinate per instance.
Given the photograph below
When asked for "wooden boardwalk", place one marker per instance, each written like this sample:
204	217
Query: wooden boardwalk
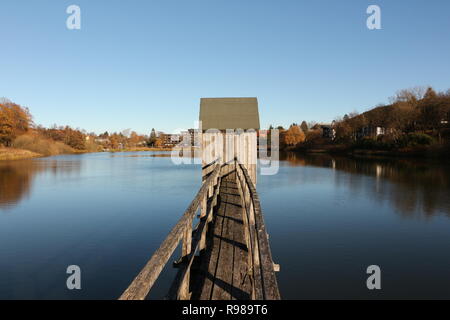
222	268
225	254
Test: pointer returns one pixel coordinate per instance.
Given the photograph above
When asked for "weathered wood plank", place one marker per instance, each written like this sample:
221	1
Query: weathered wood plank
224	272
211	256
252	241
241	289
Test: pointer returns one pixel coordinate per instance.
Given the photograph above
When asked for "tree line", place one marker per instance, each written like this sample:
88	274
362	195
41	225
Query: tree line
17	129
417	116
411	111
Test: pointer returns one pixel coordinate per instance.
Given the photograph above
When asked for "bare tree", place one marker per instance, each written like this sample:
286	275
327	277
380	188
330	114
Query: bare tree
411	95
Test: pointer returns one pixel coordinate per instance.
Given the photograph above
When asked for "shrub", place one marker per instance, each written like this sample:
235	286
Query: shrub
415	139
36	143
367	143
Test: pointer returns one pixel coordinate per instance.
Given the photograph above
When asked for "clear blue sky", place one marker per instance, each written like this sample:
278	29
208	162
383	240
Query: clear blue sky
143	64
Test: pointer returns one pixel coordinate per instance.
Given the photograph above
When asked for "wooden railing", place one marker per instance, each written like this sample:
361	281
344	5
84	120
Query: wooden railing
261	266
193	239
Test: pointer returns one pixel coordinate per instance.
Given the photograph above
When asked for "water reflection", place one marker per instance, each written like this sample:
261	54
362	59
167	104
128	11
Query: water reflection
16	177
415	188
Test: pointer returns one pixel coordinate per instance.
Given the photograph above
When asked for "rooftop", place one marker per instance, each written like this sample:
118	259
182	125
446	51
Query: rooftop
229	113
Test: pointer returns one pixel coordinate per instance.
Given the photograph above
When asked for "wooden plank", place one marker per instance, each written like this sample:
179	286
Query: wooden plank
224	271
241	289
211	256
251	236
247	236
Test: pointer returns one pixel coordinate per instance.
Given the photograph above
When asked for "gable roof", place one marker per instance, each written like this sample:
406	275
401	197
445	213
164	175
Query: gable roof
229	113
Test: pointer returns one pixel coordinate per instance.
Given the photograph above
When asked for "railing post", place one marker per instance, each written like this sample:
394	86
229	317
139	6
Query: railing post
215	194
186	251
187	239
210	190
203	207
202	244
184	293
208	214
256	261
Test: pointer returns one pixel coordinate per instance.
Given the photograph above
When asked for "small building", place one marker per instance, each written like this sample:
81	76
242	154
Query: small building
370	131
328	131
169	140
229	129
190	138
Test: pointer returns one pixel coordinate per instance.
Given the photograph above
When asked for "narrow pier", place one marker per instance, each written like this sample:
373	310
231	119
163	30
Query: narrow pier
223	268
225	248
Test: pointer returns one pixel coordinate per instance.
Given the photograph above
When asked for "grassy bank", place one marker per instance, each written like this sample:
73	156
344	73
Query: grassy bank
17	154
38	144
32	146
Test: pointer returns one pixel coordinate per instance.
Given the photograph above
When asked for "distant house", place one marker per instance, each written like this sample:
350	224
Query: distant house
190	138
169	140
328	131
102	140
371	131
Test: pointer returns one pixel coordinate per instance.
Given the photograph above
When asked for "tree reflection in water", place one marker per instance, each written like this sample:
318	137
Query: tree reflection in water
415	187
16	177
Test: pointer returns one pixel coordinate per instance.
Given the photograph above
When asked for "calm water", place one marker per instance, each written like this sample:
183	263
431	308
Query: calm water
328	219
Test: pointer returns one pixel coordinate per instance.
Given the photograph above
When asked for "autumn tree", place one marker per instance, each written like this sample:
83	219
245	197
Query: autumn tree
114	141
314	137
344	131
74	138
135	139
293	136
14	121
158	142
71	137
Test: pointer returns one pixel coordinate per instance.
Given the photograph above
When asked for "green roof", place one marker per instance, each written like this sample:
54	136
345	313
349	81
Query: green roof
229	113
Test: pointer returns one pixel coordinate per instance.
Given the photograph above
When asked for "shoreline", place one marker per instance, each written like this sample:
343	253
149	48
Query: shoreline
9	154
418	153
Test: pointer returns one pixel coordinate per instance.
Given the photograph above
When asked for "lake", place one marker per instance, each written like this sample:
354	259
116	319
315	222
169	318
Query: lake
329	218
